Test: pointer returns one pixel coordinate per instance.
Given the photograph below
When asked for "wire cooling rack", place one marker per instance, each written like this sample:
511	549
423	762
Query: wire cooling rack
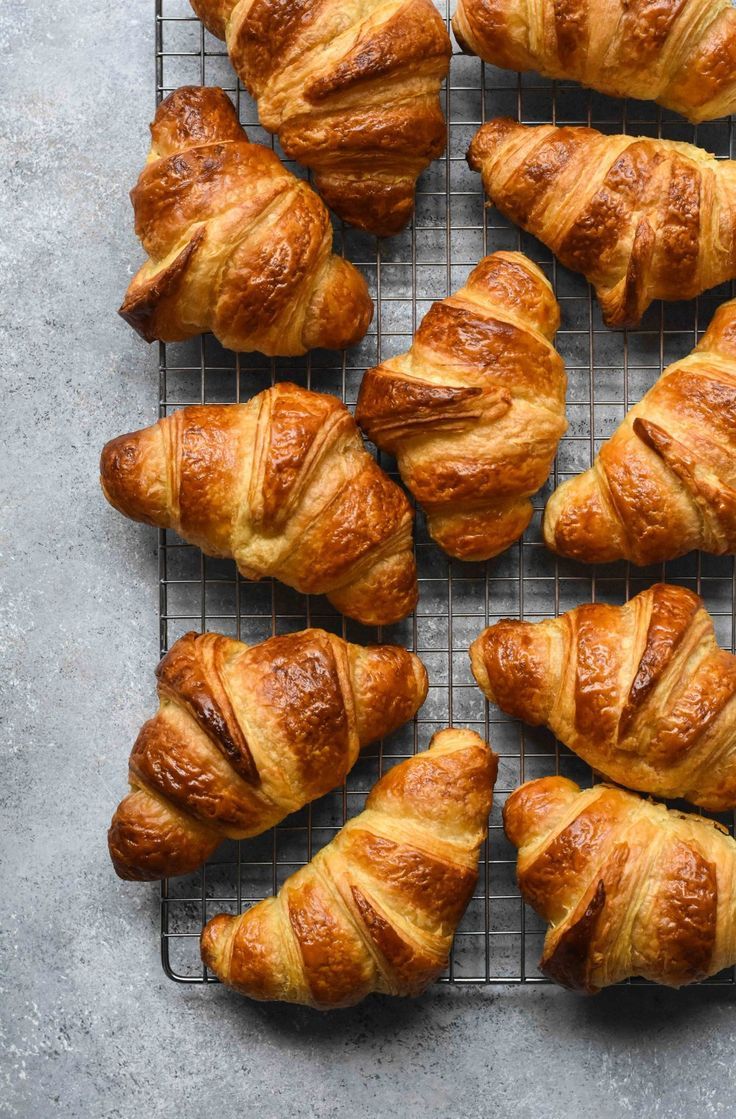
499	940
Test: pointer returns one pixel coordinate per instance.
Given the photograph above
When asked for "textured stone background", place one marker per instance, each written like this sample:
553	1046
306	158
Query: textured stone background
91	1029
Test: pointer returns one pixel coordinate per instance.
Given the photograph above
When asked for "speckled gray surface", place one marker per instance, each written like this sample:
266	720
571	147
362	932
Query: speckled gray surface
91	1029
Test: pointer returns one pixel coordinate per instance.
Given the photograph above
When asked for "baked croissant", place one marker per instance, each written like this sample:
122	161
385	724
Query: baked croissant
475	410
665	483
377	908
351	88
628	887
245	735
236	244
284	486
682	55
640	692
641	218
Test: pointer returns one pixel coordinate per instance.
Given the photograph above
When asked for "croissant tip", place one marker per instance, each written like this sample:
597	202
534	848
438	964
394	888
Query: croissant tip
141	322
459	38
421	679
212	940
487	137
126	860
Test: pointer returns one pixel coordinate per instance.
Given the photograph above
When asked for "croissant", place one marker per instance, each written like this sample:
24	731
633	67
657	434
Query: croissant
682	55
245	735
351	88
475	410
641	692
628	887
665	483
641	218
283	485
236	244
377	908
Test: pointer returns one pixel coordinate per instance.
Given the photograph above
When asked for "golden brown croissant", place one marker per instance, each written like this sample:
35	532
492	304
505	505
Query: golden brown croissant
377	908
245	735
665	483
641	218
475	410
351	88
628	887
681	54
236	244
284	485
641	692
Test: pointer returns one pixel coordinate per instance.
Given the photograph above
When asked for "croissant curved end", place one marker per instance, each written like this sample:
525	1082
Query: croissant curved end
478	535
133	476
214	939
214	14
488	139
478	667
511	664
531	809
459	37
341	309
578	524
385	594
192	115
390	685
148	840
373	205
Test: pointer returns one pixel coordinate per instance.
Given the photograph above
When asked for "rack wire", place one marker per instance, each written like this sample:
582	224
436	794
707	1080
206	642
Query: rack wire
499	940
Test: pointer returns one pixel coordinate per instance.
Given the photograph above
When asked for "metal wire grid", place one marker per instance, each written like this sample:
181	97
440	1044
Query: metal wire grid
499	940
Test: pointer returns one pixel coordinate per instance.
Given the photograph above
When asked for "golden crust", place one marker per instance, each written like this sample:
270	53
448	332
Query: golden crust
474	411
236	244
377	908
245	735
680	53
351	88
641	692
665	482
628	887
282	484
656	218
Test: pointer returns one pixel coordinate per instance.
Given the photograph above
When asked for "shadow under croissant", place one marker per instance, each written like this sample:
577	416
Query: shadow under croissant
625	1012
376	1012
632	1009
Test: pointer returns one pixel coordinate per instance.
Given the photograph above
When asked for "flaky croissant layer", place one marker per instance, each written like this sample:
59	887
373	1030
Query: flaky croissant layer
641	692
377	908
682	55
628	887
641	218
244	735
474	411
351	88
237	245
665	482
283	485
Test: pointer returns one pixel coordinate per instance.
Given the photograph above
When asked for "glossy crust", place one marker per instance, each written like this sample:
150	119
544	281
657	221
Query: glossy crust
236	244
377	908
665	482
351	88
681	53
245	735
641	218
628	887
475	410
283	485
641	692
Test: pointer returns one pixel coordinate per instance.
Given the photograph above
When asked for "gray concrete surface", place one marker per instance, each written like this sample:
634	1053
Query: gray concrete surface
91	1029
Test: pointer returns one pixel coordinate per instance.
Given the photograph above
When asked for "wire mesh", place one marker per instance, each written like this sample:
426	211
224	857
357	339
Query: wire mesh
499	940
